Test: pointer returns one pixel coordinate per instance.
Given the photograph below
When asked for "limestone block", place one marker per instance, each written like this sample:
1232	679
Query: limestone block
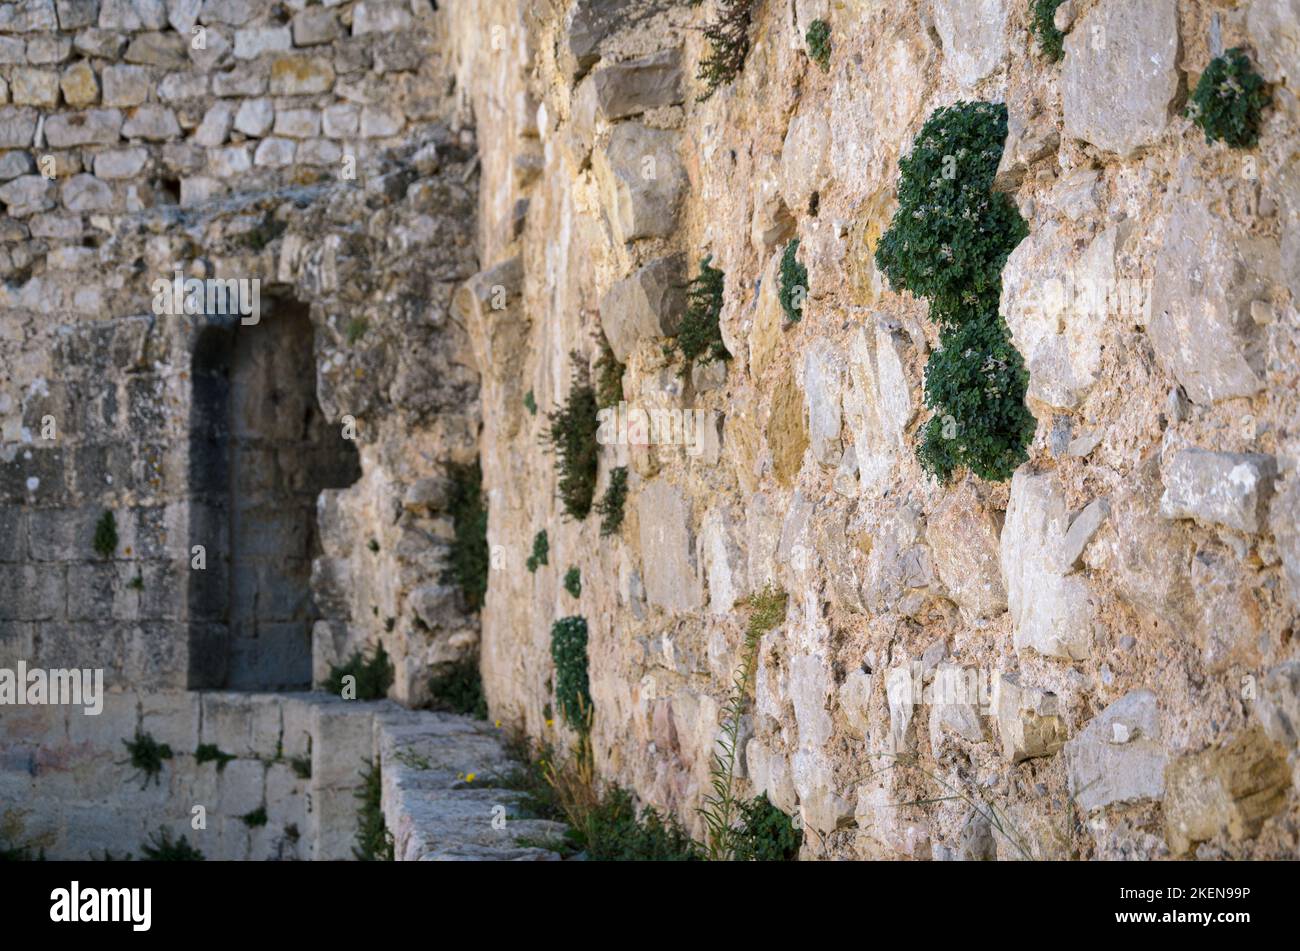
963	534
1274	27
275	152
723	560
380	16
974	36
636	86
1052	611
34	87
131	15
1118	756
1121	74
1029	719
900	570
1230	489
772	224
589	22
770	773
1206	277
241	788
28	16
86	193
341	120
167	50
74	14
216	124
315	25
80	85
152	123
298	123
17	127
1227	790
805	159
378	122
1285	525
902	701
253	42
301	75
667	548
27	195
92	127
642	181
878	405
231	12
823	373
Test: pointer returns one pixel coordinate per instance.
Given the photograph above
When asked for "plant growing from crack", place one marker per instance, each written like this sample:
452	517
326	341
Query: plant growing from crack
468	562
374	843
610	506
572	687
793	289
699	338
1043	24
572	439
573	582
1229	100
819	43
728	40
371	673
210	753
147	756
541	552
105	540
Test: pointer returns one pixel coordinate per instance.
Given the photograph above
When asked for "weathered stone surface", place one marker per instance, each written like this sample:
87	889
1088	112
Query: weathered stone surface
28	16
17	127
1121	74
636	86
126	85
823	372
1029	719
86	193
26	195
772	223
879	405
154	123
1206	276
786	432
1274	27
1051	610
1230	489
963	537
646	305
1118	756
120	163
641	180
300	76
671	577
79	85
900	572
589	22
723	560
34	87
805	159
1285	525
1224	791
1082	529
955	706
94	127
974	36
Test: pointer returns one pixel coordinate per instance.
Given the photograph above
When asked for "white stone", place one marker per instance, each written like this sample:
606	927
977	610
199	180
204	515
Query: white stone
667	549
1118	756
805	159
1219	488
254	117
974	35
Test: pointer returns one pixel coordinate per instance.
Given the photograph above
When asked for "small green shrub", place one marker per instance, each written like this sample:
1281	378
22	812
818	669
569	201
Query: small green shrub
572	437
819	44
609	378
610	506
468	559
765	833
1229	100
458	687
949	241
374	841
147	756
573	582
794	283
254	819
1050	40
162	848
541	552
613	832
209	753
373	545
569	652
301	766
530	403
699	337
373	674
357	328
105	542
728	39
136	583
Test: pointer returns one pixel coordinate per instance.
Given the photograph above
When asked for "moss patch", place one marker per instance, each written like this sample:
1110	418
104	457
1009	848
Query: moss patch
573	582
209	753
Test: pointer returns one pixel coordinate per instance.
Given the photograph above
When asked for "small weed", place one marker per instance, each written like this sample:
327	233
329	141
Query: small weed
255	819
1229	100
356	329
609	378
160	847
819	44
700	338
458	687
372	675
765	833
541	552
373	545
301	766
572	438
728	39
794	283
147	756
1050	40
530	403
105	542
374	841
610	506
569	652
209	753
573	582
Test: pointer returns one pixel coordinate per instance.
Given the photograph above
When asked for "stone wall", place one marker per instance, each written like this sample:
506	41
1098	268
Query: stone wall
1123	608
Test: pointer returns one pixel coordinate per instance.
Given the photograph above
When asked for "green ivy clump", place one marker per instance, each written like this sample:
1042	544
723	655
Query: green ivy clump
1229	100
609	378
572	437
610	506
374	841
949	241
765	833
374	675
1050	39
459	689
468	558
728	39
700	337
794	283
573	582
819	43
210	753
105	542
569	652
147	756
613	832
541	552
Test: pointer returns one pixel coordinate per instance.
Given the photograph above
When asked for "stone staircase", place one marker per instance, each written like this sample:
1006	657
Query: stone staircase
438	799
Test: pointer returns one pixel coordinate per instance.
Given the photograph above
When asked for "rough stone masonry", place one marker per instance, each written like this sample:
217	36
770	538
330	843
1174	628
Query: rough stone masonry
441	201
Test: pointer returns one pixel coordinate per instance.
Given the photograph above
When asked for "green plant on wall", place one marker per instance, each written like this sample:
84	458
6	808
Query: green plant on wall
572	438
819	43
468	558
1050	40
161	847
764	833
728	40
530	403
699	338
372	676
793	289
573	582
610	506
374	841
569	652
105	541
458	687
609	378
721	808
948	242
1229	100
146	754
210	753
541	552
